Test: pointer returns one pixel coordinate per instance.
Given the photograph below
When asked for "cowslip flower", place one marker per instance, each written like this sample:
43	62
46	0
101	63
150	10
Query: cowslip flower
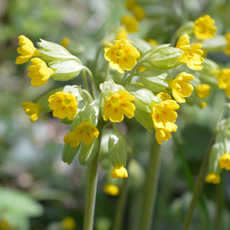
63	105
224	161
202	90
65	42
213	178
203	104
26	50
119	171
181	88
163	96
192	53
138	12
121	55
204	27
85	132
118	105
130	23
224	81
164	112
227	48
68	223
32	109
39	72
122	34
111	189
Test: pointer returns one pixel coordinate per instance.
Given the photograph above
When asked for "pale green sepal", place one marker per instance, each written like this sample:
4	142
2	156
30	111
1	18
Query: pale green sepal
66	121
132	87
144	119
216	44
69	153
89	113
117	147
75	90
110	86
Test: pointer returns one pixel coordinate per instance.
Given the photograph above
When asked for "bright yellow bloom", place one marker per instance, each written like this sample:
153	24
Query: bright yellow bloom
138	12
118	105
227	48
164	112
224	81
213	178
121	55
111	189
26	49
192	53
202	90
181	88
130	4
32	109
224	161
86	132
204	28
130	23
164	96
65	42
63	105
68	223
163	134
39	72
119	171
122	34
203	104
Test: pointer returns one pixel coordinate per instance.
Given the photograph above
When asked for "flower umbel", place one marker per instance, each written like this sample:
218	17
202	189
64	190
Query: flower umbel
202	90
121	55
204	27
26	50
192	53
111	189
84	132
39	72
118	105
224	161
32	109
213	178
119	171
130	23
63	105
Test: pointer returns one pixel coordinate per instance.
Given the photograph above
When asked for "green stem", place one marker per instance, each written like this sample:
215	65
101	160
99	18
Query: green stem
150	187
106	72
92	82
198	185
92	186
85	81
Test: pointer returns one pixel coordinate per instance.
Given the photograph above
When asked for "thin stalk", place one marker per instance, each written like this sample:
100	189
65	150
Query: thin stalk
150	187
198	185
106	72
85	80
92	82
92	186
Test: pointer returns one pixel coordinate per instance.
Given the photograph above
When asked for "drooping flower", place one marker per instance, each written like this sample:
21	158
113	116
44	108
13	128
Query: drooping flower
26	50
111	189
39	72
121	55
138	12
119	171
202	90
181	88
130	23
68	223
227	48
65	42
224	161
63	105
163	96
192	53
85	132
32	109
118	105
213	178
164	112
224	81
204	27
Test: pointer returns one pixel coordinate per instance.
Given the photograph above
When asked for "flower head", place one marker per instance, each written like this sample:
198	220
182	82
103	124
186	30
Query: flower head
164	112
122	34
163	96
111	189
130	23
224	161
203	104
192	53
26	49
32	109
204	27
63	105
86	132
65	42
39	72
181	88
138	12
224	81
202	90
68	223
118	105
213	178
227	48
121	55
119	171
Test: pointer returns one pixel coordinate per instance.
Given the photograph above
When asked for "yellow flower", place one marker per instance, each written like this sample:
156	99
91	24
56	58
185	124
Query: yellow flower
122	34
138	12
203	104
227	48
32	109
163	96
39	72
224	161
63	105
213	178
26	49
163	134
119	171
164	112
121	55
224	81
118	105
202	90
204	27
86	132
130	23
68	223
181	88
65	42
192	53
130	4
111	189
